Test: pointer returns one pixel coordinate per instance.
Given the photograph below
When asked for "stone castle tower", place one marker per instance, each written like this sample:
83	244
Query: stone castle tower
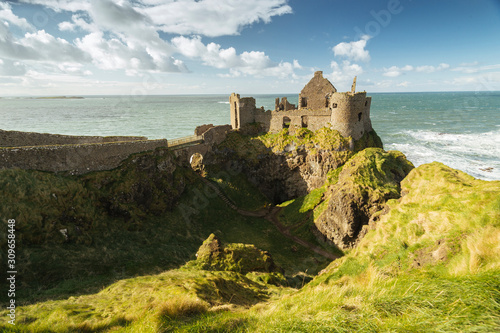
320	105
351	113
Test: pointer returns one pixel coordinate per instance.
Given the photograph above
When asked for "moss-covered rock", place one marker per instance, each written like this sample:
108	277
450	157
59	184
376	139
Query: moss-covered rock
57	208
241	258
365	183
286	166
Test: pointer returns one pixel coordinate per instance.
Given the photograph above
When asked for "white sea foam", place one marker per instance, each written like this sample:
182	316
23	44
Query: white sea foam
223	102
475	153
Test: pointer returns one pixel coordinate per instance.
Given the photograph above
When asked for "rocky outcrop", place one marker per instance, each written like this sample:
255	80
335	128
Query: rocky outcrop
241	258
364	185
286	167
144	184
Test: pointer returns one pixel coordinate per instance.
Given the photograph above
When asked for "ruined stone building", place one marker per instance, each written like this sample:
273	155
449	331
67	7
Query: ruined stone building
320	105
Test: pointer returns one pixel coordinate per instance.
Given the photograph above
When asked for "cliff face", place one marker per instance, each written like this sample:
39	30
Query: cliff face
286	167
356	180
365	184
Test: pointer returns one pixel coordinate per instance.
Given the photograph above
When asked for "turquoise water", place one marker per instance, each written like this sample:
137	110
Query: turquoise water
460	129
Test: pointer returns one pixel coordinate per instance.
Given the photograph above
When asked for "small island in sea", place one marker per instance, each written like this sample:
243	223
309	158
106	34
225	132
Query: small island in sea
292	219
59	97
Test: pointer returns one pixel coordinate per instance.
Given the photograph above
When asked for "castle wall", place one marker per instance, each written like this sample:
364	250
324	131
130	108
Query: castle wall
265	119
22	139
284	105
351	114
313	95
367	119
74	158
242	110
234	105
273	121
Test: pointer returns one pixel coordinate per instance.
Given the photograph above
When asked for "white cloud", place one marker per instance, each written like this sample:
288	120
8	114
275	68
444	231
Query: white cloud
354	50
7	15
11	68
211	54
395	71
62	5
38	46
78	22
432	69
208	17
343	74
489	81
113	54
211	17
473	67
247	63
125	35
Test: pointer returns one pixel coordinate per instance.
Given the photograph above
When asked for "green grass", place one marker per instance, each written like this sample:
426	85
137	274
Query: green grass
176	295
113	236
238	189
430	263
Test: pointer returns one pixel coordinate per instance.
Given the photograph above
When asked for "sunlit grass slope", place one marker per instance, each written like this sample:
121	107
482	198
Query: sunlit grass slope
154	303
432	264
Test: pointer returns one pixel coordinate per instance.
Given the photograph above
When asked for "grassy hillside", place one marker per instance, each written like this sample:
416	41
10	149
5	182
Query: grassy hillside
145	217
430	264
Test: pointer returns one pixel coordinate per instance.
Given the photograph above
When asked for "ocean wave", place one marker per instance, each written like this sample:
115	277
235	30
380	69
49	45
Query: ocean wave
223	102
477	154
486	143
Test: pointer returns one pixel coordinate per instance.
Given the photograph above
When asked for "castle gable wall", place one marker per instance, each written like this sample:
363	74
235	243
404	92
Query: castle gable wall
315	93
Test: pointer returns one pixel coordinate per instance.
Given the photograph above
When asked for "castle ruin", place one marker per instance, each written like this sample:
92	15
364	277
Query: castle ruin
320	105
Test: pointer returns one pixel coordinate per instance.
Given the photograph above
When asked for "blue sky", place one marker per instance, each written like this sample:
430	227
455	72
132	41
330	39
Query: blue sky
136	47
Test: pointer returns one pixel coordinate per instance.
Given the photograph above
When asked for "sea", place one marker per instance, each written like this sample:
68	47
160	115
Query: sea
459	129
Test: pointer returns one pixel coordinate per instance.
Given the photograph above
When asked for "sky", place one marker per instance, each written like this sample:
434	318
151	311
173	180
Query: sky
162	47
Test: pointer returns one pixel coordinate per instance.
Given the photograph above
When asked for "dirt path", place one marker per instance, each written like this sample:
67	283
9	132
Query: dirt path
271	214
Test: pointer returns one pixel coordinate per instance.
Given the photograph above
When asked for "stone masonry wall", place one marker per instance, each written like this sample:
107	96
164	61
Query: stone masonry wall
272	121
315	92
74	158
23	139
242	110
350	114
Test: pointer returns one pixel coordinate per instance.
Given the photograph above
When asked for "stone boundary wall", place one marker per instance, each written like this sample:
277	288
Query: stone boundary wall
23	139
75	158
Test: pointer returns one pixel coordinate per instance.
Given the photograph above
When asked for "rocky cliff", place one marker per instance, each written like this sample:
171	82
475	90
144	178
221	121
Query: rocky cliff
288	166
356	177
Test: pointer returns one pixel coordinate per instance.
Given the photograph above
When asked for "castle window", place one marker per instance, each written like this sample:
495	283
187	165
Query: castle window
366	103
303	102
360	115
334	105
286	122
327	101
236	115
